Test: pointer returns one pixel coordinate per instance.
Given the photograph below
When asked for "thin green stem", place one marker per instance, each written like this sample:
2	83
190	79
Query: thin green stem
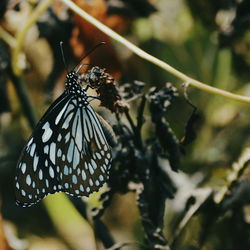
131	123
140	120
24	99
8	38
192	82
43	5
152	59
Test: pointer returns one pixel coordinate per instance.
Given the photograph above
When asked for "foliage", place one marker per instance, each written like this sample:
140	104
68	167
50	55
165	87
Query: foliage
180	177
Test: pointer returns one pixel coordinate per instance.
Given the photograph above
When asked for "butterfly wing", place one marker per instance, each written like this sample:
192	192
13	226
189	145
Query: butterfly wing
67	152
87	158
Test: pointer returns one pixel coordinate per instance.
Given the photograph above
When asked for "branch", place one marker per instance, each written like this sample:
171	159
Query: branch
152	59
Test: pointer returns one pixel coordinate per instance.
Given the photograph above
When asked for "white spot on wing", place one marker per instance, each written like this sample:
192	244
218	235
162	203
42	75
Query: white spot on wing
40	174
91	182
93	163
74	179
30	141
98	155
23	168
59	138
85	125
67	121
58	118
47	132
76	159
28	180
67	137
103	170
84	177
66	170
35	162
75	123
59	152
32	150
51	172
46	149
70	151
52	152
86	165
79	136
99	132
91	170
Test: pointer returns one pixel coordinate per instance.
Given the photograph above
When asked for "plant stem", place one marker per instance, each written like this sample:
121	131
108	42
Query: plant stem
140	120
46	3
152	59
43	5
24	99
8	38
133	127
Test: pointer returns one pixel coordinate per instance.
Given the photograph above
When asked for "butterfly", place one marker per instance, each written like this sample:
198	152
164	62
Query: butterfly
67	152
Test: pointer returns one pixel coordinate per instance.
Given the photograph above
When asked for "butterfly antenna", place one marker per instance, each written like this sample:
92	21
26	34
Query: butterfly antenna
63	57
88	53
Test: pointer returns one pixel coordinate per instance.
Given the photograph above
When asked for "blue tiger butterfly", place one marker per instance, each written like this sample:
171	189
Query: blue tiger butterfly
67	152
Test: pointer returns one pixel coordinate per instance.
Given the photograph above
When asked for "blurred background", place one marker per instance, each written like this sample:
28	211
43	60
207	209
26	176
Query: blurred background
207	40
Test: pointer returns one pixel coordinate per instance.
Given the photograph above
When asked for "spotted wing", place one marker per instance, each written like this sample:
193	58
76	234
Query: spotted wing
85	155
67	152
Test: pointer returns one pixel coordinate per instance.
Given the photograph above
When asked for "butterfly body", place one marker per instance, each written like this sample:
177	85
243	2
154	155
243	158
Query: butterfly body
67	152
72	87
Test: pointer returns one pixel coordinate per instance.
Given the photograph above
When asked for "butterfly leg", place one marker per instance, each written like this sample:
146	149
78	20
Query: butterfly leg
87	87
93	97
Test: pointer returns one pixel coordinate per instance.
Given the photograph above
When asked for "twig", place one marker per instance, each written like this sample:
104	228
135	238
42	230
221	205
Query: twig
152	59
130	121
140	120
